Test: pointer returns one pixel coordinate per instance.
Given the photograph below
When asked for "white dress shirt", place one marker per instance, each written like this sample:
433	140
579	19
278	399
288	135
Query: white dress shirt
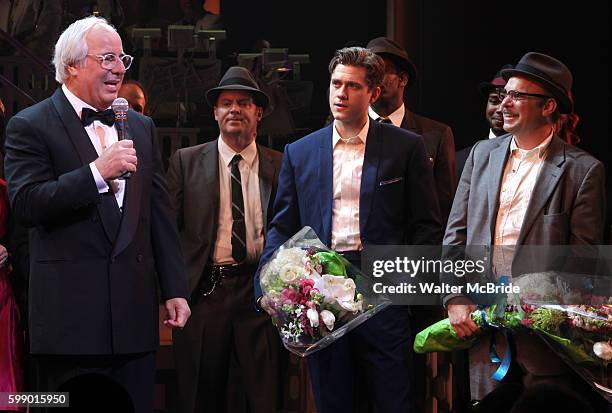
396	117
111	137
518	181
348	157
253	217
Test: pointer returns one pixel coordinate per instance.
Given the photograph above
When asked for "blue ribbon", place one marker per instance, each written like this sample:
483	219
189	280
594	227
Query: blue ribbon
503	368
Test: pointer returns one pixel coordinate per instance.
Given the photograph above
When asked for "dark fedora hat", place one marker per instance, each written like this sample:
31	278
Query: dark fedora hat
238	78
550	73
385	47
497	82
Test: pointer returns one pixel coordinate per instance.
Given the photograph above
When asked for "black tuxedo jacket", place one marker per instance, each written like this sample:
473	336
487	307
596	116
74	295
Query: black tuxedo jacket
93	284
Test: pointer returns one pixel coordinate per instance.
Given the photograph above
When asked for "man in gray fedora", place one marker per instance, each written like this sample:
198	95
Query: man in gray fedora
525	188
222	194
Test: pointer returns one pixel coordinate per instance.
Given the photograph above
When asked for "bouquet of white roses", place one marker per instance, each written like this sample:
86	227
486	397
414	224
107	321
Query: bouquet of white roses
316	294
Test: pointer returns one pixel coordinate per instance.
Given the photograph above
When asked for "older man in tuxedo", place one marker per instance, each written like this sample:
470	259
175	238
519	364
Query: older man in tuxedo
222	193
525	188
99	246
358	182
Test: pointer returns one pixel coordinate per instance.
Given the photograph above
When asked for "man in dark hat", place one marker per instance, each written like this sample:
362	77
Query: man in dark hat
222	193
525	188
400	74
493	113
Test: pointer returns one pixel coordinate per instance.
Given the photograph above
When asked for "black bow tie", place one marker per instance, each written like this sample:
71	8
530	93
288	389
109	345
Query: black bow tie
107	116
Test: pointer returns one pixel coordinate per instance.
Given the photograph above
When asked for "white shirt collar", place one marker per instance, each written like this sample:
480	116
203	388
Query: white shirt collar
362	135
540	149
76	103
396	117
491	134
248	154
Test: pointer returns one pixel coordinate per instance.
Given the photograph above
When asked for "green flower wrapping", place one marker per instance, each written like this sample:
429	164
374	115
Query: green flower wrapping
442	337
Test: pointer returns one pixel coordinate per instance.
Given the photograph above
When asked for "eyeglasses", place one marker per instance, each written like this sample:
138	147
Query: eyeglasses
108	61
517	96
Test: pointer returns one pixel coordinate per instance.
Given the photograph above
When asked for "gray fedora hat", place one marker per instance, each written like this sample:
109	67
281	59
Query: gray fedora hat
385	47
238	78
550	73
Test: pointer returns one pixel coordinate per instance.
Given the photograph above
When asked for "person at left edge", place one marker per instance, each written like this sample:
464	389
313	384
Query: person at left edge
96	242
222	194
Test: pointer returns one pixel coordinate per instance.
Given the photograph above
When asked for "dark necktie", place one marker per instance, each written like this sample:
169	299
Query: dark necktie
384	120
238	226
107	116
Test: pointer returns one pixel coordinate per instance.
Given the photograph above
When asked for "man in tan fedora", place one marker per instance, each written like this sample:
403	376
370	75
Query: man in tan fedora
525	188
222	194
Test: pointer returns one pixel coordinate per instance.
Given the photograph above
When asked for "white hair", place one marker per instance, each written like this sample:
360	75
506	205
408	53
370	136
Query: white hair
71	47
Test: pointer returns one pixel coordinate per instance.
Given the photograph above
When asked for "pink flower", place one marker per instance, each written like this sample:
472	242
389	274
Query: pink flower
306	285
306	282
290	295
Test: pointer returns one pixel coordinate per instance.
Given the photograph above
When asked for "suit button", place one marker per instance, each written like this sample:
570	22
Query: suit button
139	258
113	259
94	219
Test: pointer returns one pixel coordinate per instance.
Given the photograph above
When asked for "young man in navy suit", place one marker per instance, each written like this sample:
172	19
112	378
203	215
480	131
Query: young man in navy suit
357	182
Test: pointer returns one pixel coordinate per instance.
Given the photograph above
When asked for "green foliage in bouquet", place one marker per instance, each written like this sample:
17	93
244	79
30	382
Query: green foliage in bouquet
332	263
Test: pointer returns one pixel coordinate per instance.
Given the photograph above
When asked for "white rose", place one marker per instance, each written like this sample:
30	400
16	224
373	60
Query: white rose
313	317
603	350
291	273
328	319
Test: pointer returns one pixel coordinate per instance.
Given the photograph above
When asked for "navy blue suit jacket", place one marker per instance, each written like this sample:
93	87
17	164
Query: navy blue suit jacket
397	205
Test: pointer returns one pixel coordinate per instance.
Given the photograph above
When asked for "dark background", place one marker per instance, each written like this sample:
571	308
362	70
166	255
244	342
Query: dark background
455	45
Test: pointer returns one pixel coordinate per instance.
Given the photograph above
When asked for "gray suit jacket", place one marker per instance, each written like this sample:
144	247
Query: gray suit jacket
193	184
440	146
567	205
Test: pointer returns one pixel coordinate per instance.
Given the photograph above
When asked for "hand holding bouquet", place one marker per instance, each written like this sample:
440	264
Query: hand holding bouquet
315	295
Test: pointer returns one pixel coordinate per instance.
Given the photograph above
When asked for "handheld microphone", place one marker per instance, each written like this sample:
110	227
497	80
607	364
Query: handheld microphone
120	108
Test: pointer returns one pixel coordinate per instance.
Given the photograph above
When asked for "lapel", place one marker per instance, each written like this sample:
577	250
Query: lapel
209	165
132	194
326	181
266	177
409	122
371	160
108	210
546	182
495	170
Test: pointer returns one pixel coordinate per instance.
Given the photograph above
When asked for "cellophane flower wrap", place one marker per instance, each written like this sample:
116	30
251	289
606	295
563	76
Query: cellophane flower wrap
581	334
317	295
